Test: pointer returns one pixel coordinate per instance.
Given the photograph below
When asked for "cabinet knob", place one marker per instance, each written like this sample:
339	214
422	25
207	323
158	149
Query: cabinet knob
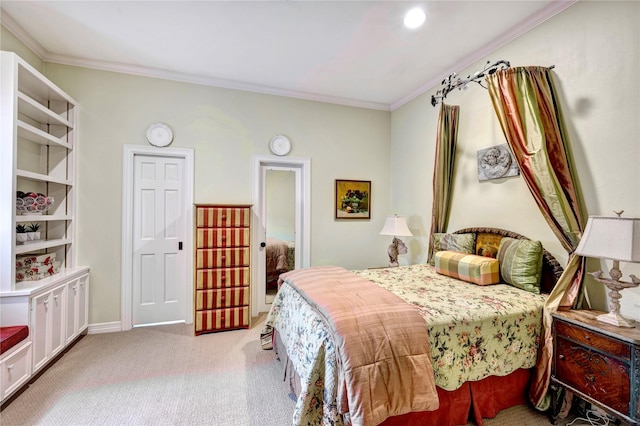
587	337
561	357
55	297
46	302
10	367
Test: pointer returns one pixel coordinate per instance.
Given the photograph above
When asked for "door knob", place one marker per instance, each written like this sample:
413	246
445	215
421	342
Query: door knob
263	244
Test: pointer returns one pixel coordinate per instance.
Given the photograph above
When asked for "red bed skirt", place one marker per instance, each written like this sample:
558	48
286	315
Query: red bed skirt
476	400
481	399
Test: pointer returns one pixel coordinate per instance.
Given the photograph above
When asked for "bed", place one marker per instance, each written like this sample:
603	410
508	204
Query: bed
280	258
482	339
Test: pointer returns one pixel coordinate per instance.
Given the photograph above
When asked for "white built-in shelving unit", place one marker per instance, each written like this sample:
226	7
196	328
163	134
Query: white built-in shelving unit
38	138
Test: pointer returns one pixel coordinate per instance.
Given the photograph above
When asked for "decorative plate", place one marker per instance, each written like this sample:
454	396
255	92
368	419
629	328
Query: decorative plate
280	145
159	134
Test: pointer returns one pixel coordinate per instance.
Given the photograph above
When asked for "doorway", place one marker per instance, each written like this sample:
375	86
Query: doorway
157	253
294	175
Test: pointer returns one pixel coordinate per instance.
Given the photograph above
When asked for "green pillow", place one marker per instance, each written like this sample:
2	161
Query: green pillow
521	263
462	243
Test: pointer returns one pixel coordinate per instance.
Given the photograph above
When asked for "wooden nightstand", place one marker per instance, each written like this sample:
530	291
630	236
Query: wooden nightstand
598	362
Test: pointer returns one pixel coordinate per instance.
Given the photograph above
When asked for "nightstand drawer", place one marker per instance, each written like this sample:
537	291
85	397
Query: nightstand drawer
594	340
602	377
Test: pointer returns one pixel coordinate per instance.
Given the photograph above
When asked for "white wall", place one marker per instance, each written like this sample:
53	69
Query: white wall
595	48
225	128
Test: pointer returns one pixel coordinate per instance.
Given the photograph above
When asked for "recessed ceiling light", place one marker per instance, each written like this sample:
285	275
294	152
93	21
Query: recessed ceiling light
414	18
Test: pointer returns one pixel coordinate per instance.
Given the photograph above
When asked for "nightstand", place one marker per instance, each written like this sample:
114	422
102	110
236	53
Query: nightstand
600	363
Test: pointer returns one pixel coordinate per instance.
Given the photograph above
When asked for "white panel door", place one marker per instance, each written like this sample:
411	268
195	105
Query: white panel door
159	264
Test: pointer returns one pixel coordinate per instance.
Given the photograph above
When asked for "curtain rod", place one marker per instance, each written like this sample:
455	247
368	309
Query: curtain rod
454	82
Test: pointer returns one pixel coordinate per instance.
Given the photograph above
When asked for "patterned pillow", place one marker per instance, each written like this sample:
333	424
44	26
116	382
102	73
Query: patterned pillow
487	244
521	263
462	243
468	267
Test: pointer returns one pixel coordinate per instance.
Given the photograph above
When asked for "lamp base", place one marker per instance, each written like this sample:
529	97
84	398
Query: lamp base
614	318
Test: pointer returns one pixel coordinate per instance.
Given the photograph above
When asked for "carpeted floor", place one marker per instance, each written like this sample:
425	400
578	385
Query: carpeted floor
164	375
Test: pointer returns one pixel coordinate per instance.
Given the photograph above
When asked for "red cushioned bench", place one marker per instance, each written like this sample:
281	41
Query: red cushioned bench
11	336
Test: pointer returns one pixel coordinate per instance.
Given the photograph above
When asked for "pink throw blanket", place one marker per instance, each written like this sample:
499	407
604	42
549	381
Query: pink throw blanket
382	344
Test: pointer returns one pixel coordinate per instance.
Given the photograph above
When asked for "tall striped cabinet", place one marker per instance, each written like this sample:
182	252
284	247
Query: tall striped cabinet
222	267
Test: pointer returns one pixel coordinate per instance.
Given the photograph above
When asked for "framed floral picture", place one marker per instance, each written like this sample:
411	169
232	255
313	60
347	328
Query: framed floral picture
353	199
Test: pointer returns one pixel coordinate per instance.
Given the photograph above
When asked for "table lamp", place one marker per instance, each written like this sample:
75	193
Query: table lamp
617	239
396	226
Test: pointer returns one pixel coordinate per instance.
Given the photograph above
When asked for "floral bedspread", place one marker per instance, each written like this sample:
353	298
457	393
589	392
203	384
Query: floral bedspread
474	331
309	346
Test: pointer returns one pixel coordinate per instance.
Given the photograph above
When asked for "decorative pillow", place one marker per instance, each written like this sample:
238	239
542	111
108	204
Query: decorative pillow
488	244
462	243
468	267
521	263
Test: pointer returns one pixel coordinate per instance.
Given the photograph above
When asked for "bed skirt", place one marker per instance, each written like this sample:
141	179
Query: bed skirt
472	401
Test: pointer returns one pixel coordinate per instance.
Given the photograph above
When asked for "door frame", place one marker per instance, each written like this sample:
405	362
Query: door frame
303	220
126	279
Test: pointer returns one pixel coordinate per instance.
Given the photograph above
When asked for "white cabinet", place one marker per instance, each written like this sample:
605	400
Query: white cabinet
15	368
38	131
48	325
77	303
56	313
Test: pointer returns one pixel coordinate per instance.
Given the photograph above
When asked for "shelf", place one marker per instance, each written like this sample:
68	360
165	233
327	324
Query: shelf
38	142
37	86
29	288
40	113
41	245
33	134
41	217
38	177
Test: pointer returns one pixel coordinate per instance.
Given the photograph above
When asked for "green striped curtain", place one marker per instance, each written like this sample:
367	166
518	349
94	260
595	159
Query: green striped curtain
446	140
528	109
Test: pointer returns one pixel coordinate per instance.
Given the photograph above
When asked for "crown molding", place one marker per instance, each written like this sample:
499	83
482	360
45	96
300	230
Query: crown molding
510	35
14	28
11	25
208	81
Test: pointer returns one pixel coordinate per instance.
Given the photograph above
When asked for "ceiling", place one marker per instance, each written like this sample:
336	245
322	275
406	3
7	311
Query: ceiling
347	52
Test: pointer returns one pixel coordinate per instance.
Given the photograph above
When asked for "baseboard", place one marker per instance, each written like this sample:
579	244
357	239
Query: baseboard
105	327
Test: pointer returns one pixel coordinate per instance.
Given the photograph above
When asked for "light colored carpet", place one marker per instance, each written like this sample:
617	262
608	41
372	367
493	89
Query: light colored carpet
164	375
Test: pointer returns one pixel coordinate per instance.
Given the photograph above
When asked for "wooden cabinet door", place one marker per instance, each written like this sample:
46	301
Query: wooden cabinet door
39	333
57	320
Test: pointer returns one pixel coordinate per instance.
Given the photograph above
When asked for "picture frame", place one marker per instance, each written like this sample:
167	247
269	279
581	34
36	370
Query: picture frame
352	199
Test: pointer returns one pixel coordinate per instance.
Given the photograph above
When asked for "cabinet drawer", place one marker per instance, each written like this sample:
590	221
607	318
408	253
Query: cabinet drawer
226	298
221	319
218	217
595	340
220	258
221	278
16	368
604	378
222	237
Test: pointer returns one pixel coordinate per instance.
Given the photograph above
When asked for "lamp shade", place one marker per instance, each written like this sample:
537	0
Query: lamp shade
615	238
396	226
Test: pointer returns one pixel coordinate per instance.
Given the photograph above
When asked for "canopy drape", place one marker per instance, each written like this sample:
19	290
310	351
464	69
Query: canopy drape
528	109
446	140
